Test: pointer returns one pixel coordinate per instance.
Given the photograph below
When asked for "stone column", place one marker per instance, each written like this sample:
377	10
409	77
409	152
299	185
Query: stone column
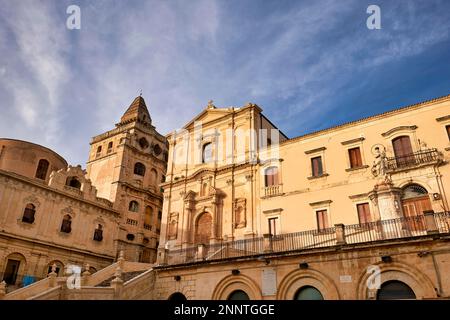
188	214
52	276
117	283
267	242
214	218
340	234
2	289
201	252
85	275
430	223
387	199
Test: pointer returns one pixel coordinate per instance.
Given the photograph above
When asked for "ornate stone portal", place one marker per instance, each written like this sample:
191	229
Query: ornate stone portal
387	199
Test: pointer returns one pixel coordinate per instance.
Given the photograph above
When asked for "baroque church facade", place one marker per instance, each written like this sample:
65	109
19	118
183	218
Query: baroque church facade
55	214
356	211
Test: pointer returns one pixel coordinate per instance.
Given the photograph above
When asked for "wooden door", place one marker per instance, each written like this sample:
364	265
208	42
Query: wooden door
413	210
203	229
403	151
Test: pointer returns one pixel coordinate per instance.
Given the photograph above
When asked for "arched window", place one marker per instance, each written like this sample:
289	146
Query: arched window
42	168
59	267
271	176
148	216
392	290
99	151
139	169
414	191
28	213
157	150
98	233
207	156
308	293
143	143
133	206
238	295
110	146
73	182
66	225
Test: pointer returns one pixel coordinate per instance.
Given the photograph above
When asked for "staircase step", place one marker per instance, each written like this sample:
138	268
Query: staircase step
126	276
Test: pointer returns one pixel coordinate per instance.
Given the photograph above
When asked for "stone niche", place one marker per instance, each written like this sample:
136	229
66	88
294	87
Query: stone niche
240	212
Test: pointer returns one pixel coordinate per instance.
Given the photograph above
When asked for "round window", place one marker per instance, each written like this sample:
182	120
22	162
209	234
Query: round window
157	150
130	237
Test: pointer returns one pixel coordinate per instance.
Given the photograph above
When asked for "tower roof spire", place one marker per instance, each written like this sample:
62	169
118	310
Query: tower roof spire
137	111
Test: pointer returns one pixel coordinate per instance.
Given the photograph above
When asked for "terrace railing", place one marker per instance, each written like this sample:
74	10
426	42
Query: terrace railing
407	227
414	159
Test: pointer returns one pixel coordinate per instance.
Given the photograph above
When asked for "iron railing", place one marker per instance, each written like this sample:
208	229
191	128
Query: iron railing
413	159
349	234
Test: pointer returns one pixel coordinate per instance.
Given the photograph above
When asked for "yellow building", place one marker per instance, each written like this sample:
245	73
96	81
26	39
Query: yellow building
250	213
356	211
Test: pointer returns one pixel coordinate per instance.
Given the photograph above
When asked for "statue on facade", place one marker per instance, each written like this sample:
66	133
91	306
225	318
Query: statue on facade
380	165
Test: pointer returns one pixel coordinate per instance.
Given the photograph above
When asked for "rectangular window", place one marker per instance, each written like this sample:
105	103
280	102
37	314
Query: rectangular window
273	226
363	213
316	164
354	155
322	219
448	131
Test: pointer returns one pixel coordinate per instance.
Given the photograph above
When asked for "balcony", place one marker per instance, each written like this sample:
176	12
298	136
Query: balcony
147	226
401	228
132	222
272	191
422	157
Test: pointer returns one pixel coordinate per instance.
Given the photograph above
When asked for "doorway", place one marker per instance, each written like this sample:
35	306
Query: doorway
415	201
12	268
393	290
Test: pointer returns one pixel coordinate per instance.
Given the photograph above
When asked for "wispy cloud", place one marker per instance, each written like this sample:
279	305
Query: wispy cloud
302	61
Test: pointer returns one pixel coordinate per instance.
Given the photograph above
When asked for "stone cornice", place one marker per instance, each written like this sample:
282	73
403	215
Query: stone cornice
35	241
315	150
321	203
344	143
444	118
371	118
399	128
29	181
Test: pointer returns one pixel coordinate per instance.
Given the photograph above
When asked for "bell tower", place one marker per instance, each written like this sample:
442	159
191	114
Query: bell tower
126	165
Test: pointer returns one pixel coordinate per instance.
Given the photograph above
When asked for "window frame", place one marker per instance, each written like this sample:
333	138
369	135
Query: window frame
369	213
326	220
321	170
40	170
358	157
130	206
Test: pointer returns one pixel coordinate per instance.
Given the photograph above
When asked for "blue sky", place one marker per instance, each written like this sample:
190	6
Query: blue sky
308	64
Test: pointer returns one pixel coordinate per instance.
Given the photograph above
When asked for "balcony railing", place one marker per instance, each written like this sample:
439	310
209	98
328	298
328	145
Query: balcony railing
132	222
413	159
435	223
271	191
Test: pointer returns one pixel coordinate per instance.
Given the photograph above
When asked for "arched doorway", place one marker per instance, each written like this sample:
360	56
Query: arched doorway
238	295
392	290
308	293
415	201
203	228
177	296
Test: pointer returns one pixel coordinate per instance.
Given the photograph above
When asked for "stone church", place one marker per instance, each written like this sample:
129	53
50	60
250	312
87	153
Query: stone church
52	213
355	211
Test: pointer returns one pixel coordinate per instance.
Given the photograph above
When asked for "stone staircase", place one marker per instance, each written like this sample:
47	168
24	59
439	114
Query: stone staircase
122	280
